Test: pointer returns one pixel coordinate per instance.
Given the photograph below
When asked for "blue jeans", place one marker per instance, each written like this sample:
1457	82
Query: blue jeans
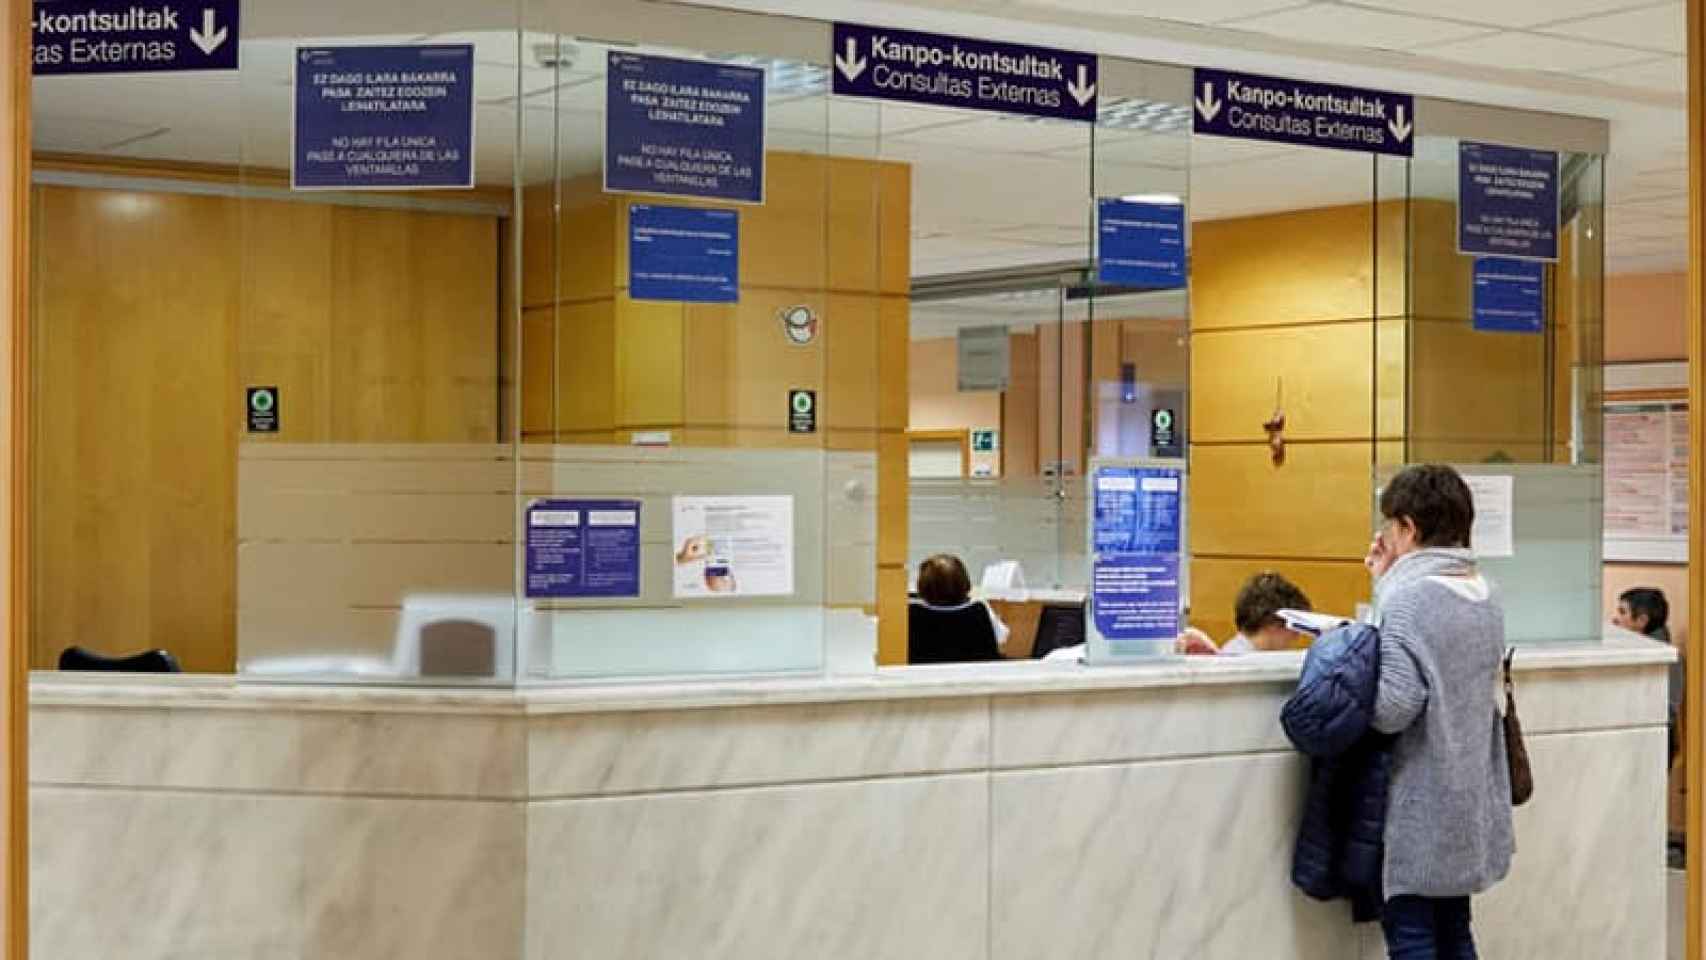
1425	928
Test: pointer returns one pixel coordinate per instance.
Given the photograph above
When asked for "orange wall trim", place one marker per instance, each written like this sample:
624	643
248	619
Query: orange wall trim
14	825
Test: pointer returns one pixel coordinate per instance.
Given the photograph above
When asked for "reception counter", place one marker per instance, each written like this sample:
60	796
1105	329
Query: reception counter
1013	811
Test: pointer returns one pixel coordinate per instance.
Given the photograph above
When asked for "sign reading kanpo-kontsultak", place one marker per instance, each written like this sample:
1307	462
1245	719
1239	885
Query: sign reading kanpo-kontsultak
1303	113
947	71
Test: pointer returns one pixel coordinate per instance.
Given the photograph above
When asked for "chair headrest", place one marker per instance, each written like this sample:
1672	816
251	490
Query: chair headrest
152	661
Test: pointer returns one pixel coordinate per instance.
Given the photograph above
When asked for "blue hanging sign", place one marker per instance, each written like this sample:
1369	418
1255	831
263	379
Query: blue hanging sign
949	71
683	254
684	128
1509	295
104	36
1140	244
1137	520
384	118
583	548
1507	201
1254	107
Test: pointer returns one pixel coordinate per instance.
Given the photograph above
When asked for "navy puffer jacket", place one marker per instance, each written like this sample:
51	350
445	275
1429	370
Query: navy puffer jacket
1340	843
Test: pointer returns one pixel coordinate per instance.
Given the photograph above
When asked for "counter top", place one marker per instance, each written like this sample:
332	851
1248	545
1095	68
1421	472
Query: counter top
1010	678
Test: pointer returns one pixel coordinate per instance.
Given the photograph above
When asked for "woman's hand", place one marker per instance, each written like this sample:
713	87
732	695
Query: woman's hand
1195	643
1379	559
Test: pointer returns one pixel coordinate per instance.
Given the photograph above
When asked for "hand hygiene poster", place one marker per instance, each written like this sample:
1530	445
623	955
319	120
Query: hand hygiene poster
384	118
734	546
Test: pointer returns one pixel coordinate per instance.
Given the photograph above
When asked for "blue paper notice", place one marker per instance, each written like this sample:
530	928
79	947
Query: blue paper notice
583	548
1138	512
1140	244
684	128
1509	295
1507	201
104	36
962	72
384	118
683	254
1308	114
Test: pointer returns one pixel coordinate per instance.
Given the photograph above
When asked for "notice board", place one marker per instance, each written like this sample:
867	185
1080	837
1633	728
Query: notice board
1646	480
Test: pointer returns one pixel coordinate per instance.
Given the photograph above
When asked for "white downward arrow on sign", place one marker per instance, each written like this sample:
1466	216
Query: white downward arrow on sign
211	36
1400	127
1207	104
851	65
1083	91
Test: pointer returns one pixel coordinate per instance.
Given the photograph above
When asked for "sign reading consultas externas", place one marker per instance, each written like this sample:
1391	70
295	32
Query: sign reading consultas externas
1303	113
961	72
103	36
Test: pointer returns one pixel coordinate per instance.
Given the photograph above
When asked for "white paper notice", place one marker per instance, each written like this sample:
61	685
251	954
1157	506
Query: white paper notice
1493	535
734	546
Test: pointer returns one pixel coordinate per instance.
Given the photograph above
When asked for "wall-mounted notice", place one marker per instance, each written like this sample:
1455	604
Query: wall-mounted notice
734	546
1507	201
1509	295
583	548
683	254
985	441
962	72
384	118
1494	533
262	409
802	411
1137	518
985	358
1308	114
101	36
684	128
1140	244
1646	471
1164	433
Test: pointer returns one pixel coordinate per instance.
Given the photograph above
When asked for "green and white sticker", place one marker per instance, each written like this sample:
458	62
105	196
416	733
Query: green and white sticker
263	410
802	411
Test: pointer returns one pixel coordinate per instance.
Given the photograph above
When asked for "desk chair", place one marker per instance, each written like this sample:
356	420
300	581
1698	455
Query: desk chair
1061	626
153	661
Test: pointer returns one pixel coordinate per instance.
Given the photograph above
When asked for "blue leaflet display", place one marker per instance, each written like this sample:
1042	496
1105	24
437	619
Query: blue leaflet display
1509	295
384	118
684	128
583	548
1138	514
1140	244
683	254
1507	201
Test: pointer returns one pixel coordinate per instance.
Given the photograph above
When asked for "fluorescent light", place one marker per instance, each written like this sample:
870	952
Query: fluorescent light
1171	199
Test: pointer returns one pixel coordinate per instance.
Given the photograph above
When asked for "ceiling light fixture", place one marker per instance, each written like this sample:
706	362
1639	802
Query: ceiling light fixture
1166	199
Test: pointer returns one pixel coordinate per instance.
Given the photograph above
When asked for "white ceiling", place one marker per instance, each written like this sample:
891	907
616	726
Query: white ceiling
992	191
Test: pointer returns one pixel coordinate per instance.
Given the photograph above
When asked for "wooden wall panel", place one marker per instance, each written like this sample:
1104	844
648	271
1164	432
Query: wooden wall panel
1332	587
1299	267
374	323
1324	374
1020	406
1470	387
1317	505
135	495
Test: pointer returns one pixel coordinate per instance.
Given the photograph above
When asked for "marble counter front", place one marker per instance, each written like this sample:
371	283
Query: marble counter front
1009	811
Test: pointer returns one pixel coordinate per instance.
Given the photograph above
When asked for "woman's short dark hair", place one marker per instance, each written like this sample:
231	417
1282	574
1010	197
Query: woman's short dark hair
1434	498
1261	599
942	581
1646	600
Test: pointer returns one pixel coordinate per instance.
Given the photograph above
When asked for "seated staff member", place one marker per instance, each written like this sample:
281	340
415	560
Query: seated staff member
1256	614
1645	610
944	623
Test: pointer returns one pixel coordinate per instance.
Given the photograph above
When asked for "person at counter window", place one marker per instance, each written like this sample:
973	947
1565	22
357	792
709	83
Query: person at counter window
944	623
1645	610
1256	614
1442	638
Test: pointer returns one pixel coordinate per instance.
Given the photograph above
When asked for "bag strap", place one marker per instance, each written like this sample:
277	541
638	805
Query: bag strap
1510	690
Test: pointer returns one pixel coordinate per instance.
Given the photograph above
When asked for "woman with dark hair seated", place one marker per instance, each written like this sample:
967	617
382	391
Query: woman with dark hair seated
944	624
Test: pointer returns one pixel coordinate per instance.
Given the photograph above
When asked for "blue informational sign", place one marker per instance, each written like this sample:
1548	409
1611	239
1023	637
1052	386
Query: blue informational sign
104	36
684	128
583	548
1507	201
1140	244
1136	598
1307	114
1137	526
961	72
384	118
1509	295
683	254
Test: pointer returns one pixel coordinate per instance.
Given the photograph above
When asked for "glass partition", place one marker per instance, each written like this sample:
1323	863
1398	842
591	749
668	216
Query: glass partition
565	416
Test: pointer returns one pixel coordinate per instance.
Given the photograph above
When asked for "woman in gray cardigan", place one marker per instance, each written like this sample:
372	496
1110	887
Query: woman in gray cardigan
1448	820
